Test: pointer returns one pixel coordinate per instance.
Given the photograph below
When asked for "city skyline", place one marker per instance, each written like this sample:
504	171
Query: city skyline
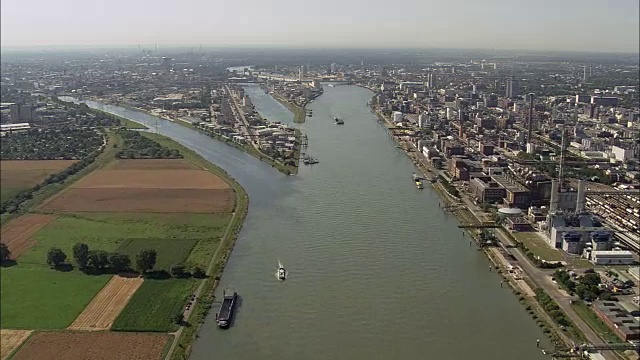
607	26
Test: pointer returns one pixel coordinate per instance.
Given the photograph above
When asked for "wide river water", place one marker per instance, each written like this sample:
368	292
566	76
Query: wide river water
376	269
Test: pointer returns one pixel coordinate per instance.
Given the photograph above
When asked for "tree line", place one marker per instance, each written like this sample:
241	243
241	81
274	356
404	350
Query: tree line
14	204
137	146
102	262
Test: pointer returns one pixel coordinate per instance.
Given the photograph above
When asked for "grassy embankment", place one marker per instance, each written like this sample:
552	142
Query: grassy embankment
202	307
299	112
249	149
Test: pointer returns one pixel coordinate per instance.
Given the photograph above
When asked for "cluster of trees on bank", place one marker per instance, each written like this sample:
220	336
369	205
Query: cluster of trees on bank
50	144
137	146
14	204
447	186
102	262
586	286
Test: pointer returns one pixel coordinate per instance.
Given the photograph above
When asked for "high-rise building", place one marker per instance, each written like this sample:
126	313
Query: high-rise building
301	73
334	68
26	112
430	83
14	112
512	88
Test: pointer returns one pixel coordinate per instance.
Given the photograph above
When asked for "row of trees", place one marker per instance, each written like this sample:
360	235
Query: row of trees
13	204
551	307
50	144
100	262
137	146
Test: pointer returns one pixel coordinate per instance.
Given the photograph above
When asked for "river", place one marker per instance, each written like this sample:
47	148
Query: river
376	269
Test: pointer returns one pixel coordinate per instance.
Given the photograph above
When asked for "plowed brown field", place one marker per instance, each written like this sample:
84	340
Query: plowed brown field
143	200
10	340
12	165
151	164
71	345
107	305
17	233
157	186
151	179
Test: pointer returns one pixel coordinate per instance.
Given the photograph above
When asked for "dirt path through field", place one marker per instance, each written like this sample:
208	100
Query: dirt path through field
107	305
11	340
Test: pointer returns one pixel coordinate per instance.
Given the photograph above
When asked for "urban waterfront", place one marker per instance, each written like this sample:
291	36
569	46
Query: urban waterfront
377	270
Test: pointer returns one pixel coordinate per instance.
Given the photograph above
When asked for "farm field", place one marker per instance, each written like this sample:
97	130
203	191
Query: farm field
71	345
17	234
107	231
36	297
11	340
153	306
107	305
19	175
160	187
170	251
151	164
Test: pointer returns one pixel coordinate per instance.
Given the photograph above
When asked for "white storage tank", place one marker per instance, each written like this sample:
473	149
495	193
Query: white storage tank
397	116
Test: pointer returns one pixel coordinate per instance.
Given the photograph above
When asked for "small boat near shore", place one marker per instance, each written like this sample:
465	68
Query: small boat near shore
419	184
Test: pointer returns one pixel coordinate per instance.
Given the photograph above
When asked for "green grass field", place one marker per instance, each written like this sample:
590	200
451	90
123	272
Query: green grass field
153	306
537	246
170	251
33	297
594	322
108	231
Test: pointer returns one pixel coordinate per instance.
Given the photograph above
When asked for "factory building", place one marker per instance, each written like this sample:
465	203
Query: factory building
575	232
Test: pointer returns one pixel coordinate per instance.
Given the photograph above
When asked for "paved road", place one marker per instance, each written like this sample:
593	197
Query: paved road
541	279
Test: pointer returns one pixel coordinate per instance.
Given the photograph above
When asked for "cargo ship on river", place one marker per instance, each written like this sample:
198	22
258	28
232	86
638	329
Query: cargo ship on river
223	317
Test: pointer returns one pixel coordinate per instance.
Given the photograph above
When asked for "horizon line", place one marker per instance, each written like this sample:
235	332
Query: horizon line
292	46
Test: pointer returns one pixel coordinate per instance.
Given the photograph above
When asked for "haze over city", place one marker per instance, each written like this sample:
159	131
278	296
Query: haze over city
496	24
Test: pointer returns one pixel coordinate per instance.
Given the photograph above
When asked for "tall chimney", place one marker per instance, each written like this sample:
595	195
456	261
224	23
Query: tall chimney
553	206
582	198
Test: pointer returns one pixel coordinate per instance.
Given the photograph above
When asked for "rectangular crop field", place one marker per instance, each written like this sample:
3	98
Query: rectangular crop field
143	200
103	345
107	231
34	297
19	175
154	305
151	164
107	305
11	340
155	186
151	179
170	251
18	233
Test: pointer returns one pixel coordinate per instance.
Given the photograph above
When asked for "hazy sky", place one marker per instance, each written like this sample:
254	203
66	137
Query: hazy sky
589	25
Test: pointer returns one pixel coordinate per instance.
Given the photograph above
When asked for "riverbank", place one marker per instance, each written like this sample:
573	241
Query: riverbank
186	335
299	112
455	206
249	149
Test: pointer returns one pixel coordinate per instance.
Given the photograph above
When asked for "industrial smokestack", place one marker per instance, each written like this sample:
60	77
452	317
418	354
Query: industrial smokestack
553	206
582	198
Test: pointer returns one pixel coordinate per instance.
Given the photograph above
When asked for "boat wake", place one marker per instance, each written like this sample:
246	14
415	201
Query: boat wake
281	273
